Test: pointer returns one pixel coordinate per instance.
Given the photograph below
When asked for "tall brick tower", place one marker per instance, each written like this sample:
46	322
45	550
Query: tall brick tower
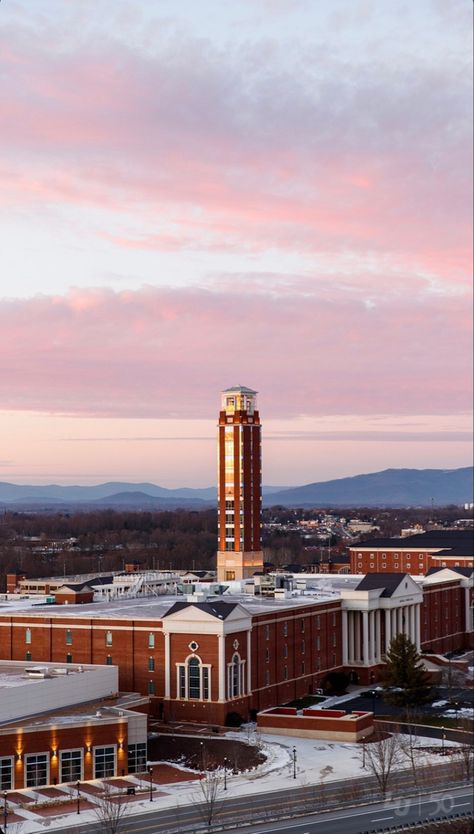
239	552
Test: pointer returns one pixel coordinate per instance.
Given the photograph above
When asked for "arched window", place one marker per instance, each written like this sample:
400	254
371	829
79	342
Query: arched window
28	636
235	677
193	679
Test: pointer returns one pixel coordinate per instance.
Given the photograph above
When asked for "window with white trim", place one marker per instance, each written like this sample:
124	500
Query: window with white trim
70	765
108	638
68	637
137	757
151	641
6	773
236	677
104	761
28	636
36	770
193	679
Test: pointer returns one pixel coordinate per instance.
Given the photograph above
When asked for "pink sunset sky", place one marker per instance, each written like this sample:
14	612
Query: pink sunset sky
275	193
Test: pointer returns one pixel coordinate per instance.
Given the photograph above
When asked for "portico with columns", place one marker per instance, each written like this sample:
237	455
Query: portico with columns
377	610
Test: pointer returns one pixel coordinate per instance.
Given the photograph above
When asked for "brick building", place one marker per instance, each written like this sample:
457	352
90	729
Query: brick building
206	655
414	554
66	724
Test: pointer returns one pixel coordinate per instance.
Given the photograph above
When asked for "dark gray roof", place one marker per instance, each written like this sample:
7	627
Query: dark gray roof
388	581
462	571
77	587
241	389
220	610
431	539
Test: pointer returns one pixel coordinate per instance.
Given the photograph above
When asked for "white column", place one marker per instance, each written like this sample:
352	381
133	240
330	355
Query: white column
222	669
167	667
345	646
249	661
371	637
400	620
418	627
378	622
411	610
406	612
351	624
388	628
365	637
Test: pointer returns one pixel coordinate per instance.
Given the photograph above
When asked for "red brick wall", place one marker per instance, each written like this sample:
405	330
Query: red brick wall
63	738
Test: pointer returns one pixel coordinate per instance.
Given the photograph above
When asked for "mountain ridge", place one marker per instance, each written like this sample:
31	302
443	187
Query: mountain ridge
388	487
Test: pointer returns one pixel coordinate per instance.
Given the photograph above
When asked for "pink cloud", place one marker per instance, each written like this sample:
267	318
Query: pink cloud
263	158
159	352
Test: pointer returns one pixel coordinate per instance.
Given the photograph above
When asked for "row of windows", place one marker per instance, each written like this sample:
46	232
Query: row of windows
71	765
302	626
303	670
108	660
108	638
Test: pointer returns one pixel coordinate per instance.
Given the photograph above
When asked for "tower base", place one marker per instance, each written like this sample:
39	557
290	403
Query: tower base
232	564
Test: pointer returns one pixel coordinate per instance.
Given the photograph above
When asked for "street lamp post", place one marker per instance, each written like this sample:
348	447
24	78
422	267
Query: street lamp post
5	811
294	762
78	785
225	773
201	745
150	771
443	737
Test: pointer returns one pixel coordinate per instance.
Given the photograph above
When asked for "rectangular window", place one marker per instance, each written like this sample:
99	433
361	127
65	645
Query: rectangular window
151	688
68	637
69	658
28	656
36	770
182	682
137	757
151	664
302	668
318	621
334	640
151	641
302	626
267	655
267	678
108	660
334	619
285	673
285	629
205	683
6	773
28	636
70	768
318	643
108	638
267	632
303	646
285	650
104	762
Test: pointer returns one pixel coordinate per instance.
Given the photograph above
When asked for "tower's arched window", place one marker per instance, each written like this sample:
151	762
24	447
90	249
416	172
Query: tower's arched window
193	679
236	677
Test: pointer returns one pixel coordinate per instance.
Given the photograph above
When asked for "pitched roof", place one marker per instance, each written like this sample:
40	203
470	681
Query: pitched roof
431	539
220	610
388	581
76	587
239	389
463	571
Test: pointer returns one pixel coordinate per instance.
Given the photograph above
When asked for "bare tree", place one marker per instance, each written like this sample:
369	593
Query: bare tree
382	755
464	756
211	787
110	811
410	748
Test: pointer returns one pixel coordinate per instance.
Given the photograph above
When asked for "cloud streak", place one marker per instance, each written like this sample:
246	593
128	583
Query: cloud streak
248	149
164	353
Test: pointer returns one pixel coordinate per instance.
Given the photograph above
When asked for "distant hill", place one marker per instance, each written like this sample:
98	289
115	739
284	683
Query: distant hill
390	488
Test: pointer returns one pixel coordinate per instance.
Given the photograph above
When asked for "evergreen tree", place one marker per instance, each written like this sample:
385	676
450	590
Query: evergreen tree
406	681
